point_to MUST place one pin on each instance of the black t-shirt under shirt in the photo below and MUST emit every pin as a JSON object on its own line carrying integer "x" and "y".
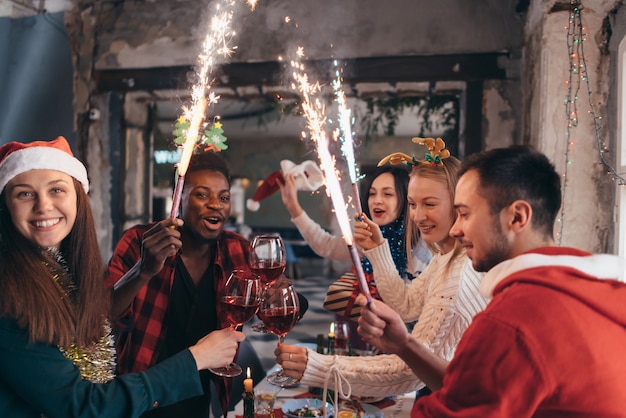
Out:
{"x": 190, "y": 316}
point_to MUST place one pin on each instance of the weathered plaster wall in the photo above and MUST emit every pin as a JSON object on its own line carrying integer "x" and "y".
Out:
{"x": 587, "y": 204}
{"x": 136, "y": 34}
{"x": 502, "y": 115}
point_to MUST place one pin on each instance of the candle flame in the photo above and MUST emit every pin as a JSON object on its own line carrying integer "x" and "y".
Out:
{"x": 248, "y": 375}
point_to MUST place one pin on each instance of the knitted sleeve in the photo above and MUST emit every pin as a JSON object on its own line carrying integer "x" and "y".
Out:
{"x": 452, "y": 301}
{"x": 324, "y": 244}
{"x": 406, "y": 299}
{"x": 378, "y": 376}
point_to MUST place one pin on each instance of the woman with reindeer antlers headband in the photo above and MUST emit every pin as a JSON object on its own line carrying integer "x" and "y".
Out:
{"x": 444, "y": 297}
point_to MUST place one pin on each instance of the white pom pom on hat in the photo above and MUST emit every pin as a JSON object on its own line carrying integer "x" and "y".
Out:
{"x": 17, "y": 158}
{"x": 307, "y": 174}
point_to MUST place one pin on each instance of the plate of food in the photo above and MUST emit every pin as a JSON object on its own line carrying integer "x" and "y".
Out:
{"x": 306, "y": 408}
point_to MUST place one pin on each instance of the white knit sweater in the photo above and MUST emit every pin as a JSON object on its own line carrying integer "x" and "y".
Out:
{"x": 445, "y": 298}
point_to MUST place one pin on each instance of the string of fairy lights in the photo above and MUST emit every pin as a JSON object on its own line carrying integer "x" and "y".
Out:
{"x": 578, "y": 81}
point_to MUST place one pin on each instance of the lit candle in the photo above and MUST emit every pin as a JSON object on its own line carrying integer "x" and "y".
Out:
{"x": 331, "y": 339}
{"x": 247, "y": 383}
{"x": 248, "y": 396}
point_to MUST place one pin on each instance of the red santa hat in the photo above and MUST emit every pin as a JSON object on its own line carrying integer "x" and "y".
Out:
{"x": 17, "y": 158}
{"x": 308, "y": 176}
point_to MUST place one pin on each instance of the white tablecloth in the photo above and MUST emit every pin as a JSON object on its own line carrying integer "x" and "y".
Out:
{"x": 400, "y": 409}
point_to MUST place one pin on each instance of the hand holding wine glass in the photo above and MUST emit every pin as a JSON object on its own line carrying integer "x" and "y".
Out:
{"x": 279, "y": 312}
{"x": 239, "y": 302}
{"x": 268, "y": 257}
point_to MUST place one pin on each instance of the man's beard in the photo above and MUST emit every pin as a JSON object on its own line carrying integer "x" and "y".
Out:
{"x": 497, "y": 253}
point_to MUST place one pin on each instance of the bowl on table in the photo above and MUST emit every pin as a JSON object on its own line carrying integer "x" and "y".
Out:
{"x": 306, "y": 407}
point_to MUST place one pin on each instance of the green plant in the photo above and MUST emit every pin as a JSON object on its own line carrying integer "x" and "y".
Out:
{"x": 383, "y": 114}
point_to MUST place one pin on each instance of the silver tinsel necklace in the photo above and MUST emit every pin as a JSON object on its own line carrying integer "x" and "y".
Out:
{"x": 96, "y": 362}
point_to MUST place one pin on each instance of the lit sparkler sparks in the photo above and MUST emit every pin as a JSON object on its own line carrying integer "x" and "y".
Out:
{"x": 313, "y": 110}
{"x": 216, "y": 44}
{"x": 347, "y": 145}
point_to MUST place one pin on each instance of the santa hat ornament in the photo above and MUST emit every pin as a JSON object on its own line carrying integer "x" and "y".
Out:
{"x": 17, "y": 158}
{"x": 308, "y": 176}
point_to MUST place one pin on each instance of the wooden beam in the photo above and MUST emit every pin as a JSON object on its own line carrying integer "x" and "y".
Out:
{"x": 460, "y": 67}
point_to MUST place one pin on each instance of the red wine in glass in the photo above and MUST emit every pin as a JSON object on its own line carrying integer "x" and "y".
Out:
{"x": 269, "y": 271}
{"x": 341, "y": 345}
{"x": 279, "y": 312}
{"x": 238, "y": 309}
{"x": 239, "y": 301}
{"x": 279, "y": 321}
{"x": 342, "y": 336}
{"x": 268, "y": 257}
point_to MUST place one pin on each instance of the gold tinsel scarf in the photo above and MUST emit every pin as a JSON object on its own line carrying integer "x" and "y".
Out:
{"x": 97, "y": 361}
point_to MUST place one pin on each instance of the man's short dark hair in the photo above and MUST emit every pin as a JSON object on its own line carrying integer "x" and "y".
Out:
{"x": 518, "y": 172}
{"x": 209, "y": 160}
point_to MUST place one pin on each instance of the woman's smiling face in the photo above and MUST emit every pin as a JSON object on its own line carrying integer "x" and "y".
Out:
{"x": 431, "y": 209}
{"x": 383, "y": 200}
{"x": 43, "y": 205}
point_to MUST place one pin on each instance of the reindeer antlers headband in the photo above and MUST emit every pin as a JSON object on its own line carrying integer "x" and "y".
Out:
{"x": 434, "y": 156}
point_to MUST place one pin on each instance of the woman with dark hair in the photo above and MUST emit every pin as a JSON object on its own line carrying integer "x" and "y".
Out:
{"x": 383, "y": 200}
{"x": 56, "y": 352}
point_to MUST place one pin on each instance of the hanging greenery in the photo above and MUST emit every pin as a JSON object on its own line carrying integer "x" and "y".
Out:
{"x": 432, "y": 112}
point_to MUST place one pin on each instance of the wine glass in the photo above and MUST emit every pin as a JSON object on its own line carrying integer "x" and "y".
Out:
{"x": 341, "y": 331}
{"x": 279, "y": 312}
{"x": 239, "y": 301}
{"x": 268, "y": 257}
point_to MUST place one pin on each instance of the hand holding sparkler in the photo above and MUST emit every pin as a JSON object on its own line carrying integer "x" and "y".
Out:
{"x": 367, "y": 234}
{"x": 382, "y": 327}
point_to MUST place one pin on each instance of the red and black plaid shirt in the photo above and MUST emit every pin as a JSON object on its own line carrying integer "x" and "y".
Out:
{"x": 140, "y": 330}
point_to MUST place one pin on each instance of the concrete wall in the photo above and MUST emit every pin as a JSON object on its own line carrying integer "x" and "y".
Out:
{"x": 136, "y": 34}
{"x": 587, "y": 216}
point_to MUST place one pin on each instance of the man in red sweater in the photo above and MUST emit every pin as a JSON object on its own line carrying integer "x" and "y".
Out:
{"x": 551, "y": 341}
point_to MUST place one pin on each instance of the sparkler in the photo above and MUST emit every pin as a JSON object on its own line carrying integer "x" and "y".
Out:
{"x": 215, "y": 45}
{"x": 347, "y": 146}
{"x": 313, "y": 111}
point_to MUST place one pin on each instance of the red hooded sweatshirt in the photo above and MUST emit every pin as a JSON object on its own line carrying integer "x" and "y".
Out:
{"x": 551, "y": 343}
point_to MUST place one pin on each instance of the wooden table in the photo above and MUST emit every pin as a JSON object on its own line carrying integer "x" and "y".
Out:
{"x": 396, "y": 407}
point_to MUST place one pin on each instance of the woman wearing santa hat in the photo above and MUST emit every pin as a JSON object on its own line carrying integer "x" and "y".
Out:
{"x": 56, "y": 351}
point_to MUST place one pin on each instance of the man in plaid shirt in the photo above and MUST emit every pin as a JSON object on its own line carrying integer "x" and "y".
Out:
{"x": 166, "y": 277}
